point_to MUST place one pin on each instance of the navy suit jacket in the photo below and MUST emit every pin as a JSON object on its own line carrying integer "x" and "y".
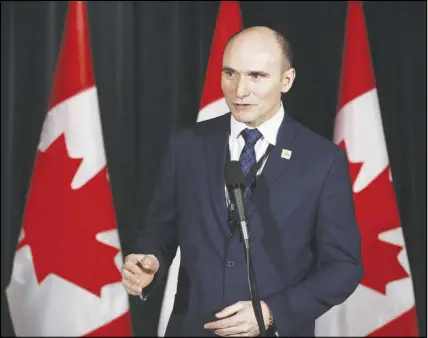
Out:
{"x": 304, "y": 236}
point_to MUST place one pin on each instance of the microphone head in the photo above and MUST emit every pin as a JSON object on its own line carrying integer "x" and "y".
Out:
{"x": 234, "y": 174}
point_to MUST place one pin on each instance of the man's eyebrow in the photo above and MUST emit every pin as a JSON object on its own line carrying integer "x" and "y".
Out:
{"x": 228, "y": 69}
{"x": 259, "y": 72}
{"x": 249, "y": 72}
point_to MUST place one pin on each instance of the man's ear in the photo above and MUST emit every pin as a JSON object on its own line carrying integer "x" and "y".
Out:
{"x": 287, "y": 79}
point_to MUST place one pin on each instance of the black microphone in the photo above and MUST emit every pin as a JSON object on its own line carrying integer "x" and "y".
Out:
{"x": 235, "y": 184}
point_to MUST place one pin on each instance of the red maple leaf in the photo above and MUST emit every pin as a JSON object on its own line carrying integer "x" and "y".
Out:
{"x": 376, "y": 212}
{"x": 61, "y": 223}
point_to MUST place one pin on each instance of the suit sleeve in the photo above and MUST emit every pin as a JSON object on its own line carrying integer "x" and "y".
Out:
{"x": 158, "y": 234}
{"x": 338, "y": 246}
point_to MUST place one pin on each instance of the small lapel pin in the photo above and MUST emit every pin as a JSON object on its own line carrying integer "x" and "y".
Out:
{"x": 286, "y": 154}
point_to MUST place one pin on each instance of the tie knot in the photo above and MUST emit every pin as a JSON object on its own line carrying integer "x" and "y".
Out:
{"x": 251, "y": 136}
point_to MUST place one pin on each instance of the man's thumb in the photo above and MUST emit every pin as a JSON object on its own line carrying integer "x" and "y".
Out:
{"x": 150, "y": 263}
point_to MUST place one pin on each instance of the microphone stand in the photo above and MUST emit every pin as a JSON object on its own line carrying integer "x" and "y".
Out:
{"x": 248, "y": 258}
{"x": 252, "y": 280}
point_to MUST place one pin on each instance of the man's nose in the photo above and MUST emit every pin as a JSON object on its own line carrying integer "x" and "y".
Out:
{"x": 241, "y": 88}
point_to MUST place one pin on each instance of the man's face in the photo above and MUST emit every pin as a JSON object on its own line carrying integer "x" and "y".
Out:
{"x": 253, "y": 78}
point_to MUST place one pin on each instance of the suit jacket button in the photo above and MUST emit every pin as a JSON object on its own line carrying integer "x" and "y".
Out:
{"x": 231, "y": 264}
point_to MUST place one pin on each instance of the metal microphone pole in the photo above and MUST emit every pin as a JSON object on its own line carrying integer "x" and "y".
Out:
{"x": 252, "y": 283}
{"x": 252, "y": 279}
{"x": 235, "y": 183}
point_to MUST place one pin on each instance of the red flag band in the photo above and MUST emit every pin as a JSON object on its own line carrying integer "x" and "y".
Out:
{"x": 66, "y": 275}
{"x": 384, "y": 303}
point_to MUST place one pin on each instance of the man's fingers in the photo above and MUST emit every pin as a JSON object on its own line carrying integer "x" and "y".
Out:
{"x": 136, "y": 282}
{"x": 130, "y": 277}
{"x": 230, "y": 310}
{"x": 241, "y": 334}
{"x": 230, "y": 331}
{"x": 134, "y": 258}
{"x": 132, "y": 268}
{"x": 223, "y": 323}
{"x": 139, "y": 264}
{"x": 226, "y": 317}
{"x": 131, "y": 288}
{"x": 138, "y": 272}
{"x": 149, "y": 263}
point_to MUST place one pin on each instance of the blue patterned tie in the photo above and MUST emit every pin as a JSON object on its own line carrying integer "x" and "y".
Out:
{"x": 248, "y": 156}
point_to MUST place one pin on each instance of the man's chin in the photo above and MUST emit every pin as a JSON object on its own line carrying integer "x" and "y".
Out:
{"x": 243, "y": 117}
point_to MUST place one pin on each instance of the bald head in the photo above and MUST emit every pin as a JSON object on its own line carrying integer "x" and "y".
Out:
{"x": 255, "y": 73}
{"x": 262, "y": 36}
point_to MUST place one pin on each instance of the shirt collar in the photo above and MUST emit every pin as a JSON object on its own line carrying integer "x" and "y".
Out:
{"x": 269, "y": 129}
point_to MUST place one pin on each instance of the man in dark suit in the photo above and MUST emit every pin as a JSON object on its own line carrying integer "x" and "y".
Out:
{"x": 304, "y": 236}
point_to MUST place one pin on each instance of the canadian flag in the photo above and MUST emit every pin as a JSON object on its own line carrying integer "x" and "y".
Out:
{"x": 66, "y": 277}
{"x": 383, "y": 304}
{"x": 212, "y": 105}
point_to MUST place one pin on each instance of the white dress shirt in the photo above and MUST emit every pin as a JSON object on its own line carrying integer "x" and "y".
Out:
{"x": 268, "y": 129}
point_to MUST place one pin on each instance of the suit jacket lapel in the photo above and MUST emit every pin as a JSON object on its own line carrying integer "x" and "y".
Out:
{"x": 275, "y": 164}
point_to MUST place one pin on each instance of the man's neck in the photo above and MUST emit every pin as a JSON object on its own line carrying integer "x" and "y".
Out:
{"x": 266, "y": 117}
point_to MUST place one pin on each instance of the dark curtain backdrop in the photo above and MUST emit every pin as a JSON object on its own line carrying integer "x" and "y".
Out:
{"x": 150, "y": 60}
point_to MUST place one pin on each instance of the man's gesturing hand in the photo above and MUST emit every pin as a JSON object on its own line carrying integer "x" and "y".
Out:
{"x": 238, "y": 320}
{"x": 138, "y": 272}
